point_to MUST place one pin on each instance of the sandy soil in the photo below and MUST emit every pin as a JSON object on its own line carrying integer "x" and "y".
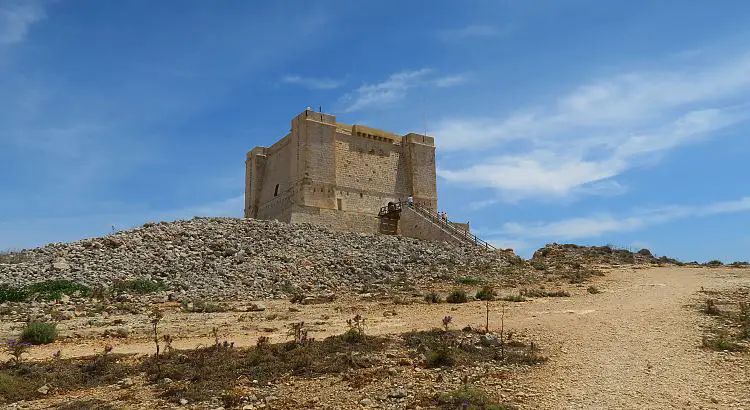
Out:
{"x": 636, "y": 345}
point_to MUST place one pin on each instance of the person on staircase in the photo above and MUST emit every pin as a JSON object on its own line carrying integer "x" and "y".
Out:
{"x": 410, "y": 200}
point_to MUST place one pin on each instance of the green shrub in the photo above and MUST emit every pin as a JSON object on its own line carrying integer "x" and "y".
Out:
{"x": 141, "y": 286}
{"x": 54, "y": 289}
{"x": 457, "y": 296}
{"x": 39, "y": 333}
{"x": 715, "y": 262}
{"x": 721, "y": 342}
{"x": 468, "y": 280}
{"x": 593, "y": 290}
{"x": 433, "y": 297}
{"x": 486, "y": 293}
{"x": 12, "y": 294}
{"x": 440, "y": 357}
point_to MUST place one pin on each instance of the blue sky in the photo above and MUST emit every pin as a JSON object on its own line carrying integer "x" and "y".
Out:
{"x": 585, "y": 121}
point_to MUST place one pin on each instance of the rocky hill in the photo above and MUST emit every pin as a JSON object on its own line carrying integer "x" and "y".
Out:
{"x": 570, "y": 255}
{"x": 225, "y": 257}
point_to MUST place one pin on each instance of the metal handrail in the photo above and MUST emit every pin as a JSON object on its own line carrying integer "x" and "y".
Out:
{"x": 398, "y": 206}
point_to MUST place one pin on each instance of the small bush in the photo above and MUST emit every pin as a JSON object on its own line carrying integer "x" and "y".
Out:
{"x": 54, "y": 289}
{"x": 14, "y": 388}
{"x": 433, "y": 297}
{"x": 540, "y": 293}
{"x": 715, "y": 263}
{"x": 12, "y": 294}
{"x": 39, "y": 333}
{"x": 440, "y": 357}
{"x": 457, "y": 296}
{"x": 141, "y": 286}
{"x": 593, "y": 290}
{"x": 486, "y": 293}
{"x": 721, "y": 342}
{"x": 711, "y": 308}
{"x": 513, "y": 298}
{"x": 469, "y": 280}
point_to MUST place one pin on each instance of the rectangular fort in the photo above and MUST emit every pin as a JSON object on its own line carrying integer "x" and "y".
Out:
{"x": 338, "y": 175}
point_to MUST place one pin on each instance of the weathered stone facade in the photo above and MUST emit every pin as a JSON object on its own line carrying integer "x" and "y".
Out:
{"x": 338, "y": 175}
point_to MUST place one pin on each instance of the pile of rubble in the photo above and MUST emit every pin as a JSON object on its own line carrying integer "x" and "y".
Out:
{"x": 226, "y": 257}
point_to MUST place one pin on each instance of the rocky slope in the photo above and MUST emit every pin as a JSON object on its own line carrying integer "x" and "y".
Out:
{"x": 225, "y": 257}
{"x": 570, "y": 255}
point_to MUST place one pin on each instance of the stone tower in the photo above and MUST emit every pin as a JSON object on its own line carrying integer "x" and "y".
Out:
{"x": 338, "y": 175}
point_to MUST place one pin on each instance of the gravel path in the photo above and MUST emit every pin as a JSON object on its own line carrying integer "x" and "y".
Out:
{"x": 636, "y": 346}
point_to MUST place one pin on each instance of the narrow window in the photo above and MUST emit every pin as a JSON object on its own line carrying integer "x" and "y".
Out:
{"x": 276, "y": 190}
{"x": 339, "y": 205}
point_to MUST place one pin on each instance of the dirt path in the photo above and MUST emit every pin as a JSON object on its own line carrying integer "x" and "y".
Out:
{"x": 635, "y": 346}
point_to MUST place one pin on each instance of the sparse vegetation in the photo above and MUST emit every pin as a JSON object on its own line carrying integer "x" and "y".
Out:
{"x": 513, "y": 298}
{"x": 715, "y": 263}
{"x": 356, "y": 331}
{"x": 16, "y": 349}
{"x": 457, "y": 296}
{"x": 202, "y": 306}
{"x": 469, "y": 280}
{"x": 433, "y": 297}
{"x": 45, "y": 290}
{"x": 722, "y": 342}
{"x": 469, "y": 398}
{"x": 541, "y": 293}
{"x": 711, "y": 308}
{"x": 486, "y": 293}
{"x": 12, "y": 294}
{"x": 39, "y": 333}
{"x": 593, "y": 290}
{"x": 733, "y": 329}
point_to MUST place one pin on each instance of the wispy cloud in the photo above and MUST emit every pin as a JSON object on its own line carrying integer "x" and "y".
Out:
{"x": 601, "y": 224}
{"x": 451, "y": 80}
{"x": 392, "y": 89}
{"x": 16, "y": 17}
{"x": 471, "y": 31}
{"x": 599, "y": 130}
{"x": 313, "y": 83}
{"x": 395, "y": 88}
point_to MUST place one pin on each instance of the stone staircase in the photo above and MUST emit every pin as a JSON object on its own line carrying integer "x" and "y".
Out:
{"x": 415, "y": 221}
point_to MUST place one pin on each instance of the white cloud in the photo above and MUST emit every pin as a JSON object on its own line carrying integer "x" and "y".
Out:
{"x": 601, "y": 224}
{"x": 597, "y": 131}
{"x": 16, "y": 17}
{"x": 450, "y": 81}
{"x": 313, "y": 83}
{"x": 388, "y": 91}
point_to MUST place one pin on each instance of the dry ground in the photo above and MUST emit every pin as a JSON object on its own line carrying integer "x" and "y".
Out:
{"x": 636, "y": 345}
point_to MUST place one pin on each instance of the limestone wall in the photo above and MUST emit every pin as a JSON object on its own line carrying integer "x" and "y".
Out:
{"x": 346, "y": 221}
{"x": 414, "y": 225}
